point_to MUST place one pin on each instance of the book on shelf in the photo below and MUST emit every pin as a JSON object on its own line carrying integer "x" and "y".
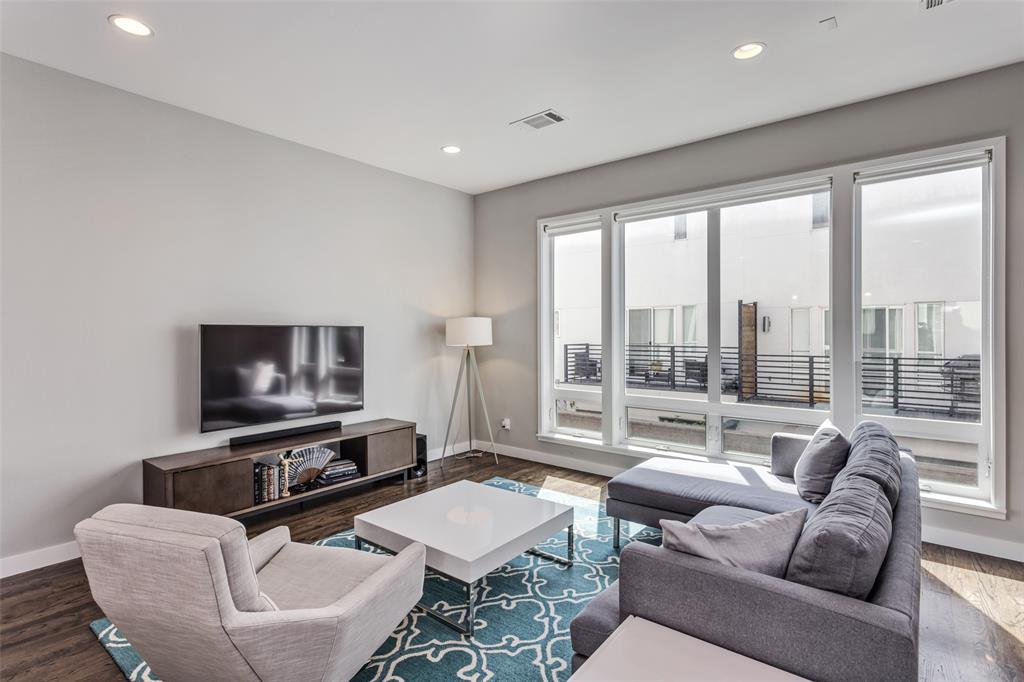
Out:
{"x": 268, "y": 482}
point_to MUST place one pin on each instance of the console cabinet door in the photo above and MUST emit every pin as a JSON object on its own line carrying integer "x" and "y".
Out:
{"x": 390, "y": 450}
{"x": 217, "y": 489}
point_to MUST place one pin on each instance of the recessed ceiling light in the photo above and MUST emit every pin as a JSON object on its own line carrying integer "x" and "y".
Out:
{"x": 451, "y": 149}
{"x": 129, "y": 25}
{"x": 748, "y": 50}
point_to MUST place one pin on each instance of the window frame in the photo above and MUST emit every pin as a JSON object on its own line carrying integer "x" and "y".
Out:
{"x": 843, "y": 309}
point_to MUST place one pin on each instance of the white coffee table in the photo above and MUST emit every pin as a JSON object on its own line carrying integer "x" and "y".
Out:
{"x": 642, "y": 651}
{"x": 469, "y": 530}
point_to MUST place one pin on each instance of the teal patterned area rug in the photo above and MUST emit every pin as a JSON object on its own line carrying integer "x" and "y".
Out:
{"x": 522, "y": 618}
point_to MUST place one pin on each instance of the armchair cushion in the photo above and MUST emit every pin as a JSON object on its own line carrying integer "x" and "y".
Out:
{"x": 308, "y": 577}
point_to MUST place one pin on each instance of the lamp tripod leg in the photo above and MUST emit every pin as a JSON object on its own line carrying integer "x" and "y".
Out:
{"x": 451, "y": 414}
{"x": 483, "y": 401}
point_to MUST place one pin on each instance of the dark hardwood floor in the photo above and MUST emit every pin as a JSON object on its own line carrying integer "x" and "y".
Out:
{"x": 972, "y": 609}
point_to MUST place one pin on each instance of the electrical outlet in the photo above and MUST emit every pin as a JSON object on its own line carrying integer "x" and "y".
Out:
{"x": 506, "y": 424}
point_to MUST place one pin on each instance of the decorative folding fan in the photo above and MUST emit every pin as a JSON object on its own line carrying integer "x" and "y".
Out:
{"x": 305, "y": 464}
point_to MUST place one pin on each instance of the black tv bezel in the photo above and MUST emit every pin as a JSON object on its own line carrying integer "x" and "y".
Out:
{"x": 362, "y": 373}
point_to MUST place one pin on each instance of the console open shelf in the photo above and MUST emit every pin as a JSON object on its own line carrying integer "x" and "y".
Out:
{"x": 220, "y": 480}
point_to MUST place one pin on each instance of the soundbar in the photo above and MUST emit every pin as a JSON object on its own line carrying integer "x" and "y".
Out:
{"x": 284, "y": 433}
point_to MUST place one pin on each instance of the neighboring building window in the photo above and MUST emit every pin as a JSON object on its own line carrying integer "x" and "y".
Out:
{"x": 882, "y": 331}
{"x": 690, "y": 324}
{"x": 664, "y": 326}
{"x": 680, "y": 227}
{"x": 821, "y": 210}
{"x": 929, "y": 329}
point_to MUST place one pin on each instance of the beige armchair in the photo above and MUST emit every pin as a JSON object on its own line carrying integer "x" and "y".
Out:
{"x": 200, "y": 602}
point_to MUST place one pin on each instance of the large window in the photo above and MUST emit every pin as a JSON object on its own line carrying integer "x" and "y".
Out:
{"x": 774, "y": 265}
{"x": 576, "y": 299}
{"x": 922, "y": 237}
{"x": 706, "y": 322}
{"x": 662, "y": 274}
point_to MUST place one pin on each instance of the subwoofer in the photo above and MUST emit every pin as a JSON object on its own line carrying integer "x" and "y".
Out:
{"x": 420, "y": 469}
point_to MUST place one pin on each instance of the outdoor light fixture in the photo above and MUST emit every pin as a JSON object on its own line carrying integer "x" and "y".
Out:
{"x": 451, "y": 149}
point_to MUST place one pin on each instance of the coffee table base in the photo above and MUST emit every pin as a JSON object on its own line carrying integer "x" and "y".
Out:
{"x": 466, "y": 627}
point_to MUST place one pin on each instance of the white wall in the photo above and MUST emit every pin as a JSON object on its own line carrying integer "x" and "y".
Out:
{"x": 127, "y": 222}
{"x": 976, "y": 107}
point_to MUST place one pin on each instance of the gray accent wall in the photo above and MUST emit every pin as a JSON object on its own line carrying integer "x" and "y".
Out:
{"x": 127, "y": 222}
{"x": 984, "y": 105}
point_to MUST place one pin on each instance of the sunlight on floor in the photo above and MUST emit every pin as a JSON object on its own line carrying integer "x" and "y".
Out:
{"x": 564, "y": 485}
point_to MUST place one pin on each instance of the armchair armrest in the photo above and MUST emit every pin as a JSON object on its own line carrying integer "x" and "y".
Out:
{"x": 334, "y": 641}
{"x": 812, "y": 633}
{"x": 786, "y": 450}
{"x": 264, "y": 546}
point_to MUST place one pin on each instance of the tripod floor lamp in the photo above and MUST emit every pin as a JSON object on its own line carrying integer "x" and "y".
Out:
{"x": 468, "y": 332}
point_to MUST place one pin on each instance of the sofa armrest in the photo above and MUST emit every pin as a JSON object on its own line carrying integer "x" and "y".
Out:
{"x": 786, "y": 450}
{"x": 812, "y": 633}
{"x": 264, "y": 546}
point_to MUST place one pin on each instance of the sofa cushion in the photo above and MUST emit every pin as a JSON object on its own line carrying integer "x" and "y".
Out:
{"x": 823, "y": 458}
{"x": 722, "y": 515}
{"x": 761, "y": 544}
{"x": 686, "y": 487}
{"x": 595, "y": 622}
{"x": 875, "y": 455}
{"x": 845, "y": 543}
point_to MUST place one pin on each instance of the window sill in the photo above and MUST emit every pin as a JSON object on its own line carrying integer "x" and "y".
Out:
{"x": 930, "y": 500}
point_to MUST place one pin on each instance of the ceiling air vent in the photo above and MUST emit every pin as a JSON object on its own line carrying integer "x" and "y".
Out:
{"x": 544, "y": 119}
{"x": 932, "y": 4}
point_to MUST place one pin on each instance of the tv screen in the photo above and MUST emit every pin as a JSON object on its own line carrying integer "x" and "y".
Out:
{"x": 252, "y": 374}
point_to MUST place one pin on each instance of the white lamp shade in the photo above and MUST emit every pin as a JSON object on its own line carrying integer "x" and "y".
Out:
{"x": 468, "y": 331}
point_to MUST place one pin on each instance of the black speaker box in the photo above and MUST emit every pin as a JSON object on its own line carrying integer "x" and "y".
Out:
{"x": 420, "y": 469}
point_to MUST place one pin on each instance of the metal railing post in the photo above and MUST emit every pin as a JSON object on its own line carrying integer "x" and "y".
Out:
{"x": 896, "y": 384}
{"x": 810, "y": 380}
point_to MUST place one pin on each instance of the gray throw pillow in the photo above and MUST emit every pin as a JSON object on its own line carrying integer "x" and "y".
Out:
{"x": 823, "y": 458}
{"x": 763, "y": 544}
{"x": 845, "y": 542}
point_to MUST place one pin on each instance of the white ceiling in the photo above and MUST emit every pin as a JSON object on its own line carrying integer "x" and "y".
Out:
{"x": 389, "y": 83}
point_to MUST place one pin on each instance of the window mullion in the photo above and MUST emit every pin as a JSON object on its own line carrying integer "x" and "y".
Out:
{"x": 612, "y": 333}
{"x": 714, "y": 381}
{"x": 844, "y": 252}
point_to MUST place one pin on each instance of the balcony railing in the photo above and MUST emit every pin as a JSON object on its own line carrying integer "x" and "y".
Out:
{"x": 936, "y": 387}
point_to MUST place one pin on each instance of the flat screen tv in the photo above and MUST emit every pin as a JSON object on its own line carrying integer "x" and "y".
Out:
{"x": 259, "y": 374}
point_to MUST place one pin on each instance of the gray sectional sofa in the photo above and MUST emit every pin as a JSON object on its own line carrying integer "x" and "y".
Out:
{"x": 820, "y": 634}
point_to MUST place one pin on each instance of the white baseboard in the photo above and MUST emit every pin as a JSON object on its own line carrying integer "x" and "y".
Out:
{"x": 434, "y": 454}
{"x": 970, "y": 542}
{"x": 1005, "y": 549}
{"x": 38, "y": 558}
{"x": 559, "y": 460}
